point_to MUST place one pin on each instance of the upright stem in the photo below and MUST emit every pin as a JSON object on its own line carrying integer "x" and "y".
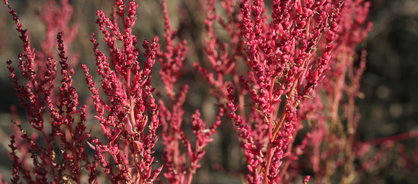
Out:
{"x": 189, "y": 177}
{"x": 49, "y": 150}
{"x": 270, "y": 150}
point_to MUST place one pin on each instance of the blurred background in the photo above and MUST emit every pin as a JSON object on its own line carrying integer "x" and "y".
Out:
{"x": 390, "y": 87}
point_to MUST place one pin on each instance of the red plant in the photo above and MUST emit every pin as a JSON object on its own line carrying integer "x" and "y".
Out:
{"x": 285, "y": 60}
{"x": 180, "y": 166}
{"x": 57, "y": 19}
{"x": 330, "y": 143}
{"x": 277, "y": 72}
{"x": 63, "y": 132}
{"x": 128, "y": 118}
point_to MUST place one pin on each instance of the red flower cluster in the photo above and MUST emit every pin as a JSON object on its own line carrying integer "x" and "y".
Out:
{"x": 63, "y": 129}
{"x": 285, "y": 59}
{"x": 180, "y": 166}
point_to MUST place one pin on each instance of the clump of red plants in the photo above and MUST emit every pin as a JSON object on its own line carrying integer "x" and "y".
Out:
{"x": 285, "y": 74}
